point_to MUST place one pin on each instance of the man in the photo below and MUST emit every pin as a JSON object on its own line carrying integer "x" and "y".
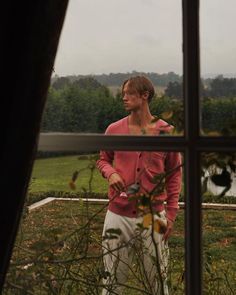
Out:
{"x": 136, "y": 174}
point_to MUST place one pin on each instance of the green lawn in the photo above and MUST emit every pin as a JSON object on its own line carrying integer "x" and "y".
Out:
{"x": 54, "y": 174}
{"x": 49, "y": 254}
{"x": 56, "y": 253}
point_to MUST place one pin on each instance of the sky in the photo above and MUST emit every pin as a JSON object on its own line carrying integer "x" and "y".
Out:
{"x": 111, "y": 36}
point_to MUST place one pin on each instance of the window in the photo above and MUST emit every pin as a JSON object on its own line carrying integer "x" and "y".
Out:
{"x": 191, "y": 145}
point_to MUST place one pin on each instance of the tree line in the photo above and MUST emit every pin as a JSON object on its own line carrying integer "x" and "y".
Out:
{"x": 85, "y": 105}
{"x": 218, "y": 87}
{"x": 80, "y": 106}
{"x": 116, "y": 79}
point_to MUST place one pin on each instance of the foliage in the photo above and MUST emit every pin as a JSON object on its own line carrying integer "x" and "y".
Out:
{"x": 208, "y": 197}
{"x": 64, "y": 263}
{"x": 218, "y": 87}
{"x": 55, "y": 251}
{"x": 49, "y": 254}
{"x": 61, "y": 83}
{"x": 63, "y": 255}
{"x": 116, "y": 79}
{"x": 221, "y": 87}
{"x": 174, "y": 90}
{"x": 53, "y": 112}
{"x": 218, "y": 252}
{"x": 170, "y": 110}
{"x": 81, "y": 106}
{"x": 219, "y": 116}
{"x": 85, "y": 105}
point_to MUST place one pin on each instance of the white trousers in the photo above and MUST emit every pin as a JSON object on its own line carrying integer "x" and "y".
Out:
{"x": 122, "y": 238}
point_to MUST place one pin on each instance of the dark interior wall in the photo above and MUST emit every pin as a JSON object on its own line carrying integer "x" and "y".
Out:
{"x": 29, "y": 32}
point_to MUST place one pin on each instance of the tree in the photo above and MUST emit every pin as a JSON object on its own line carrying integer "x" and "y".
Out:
{"x": 60, "y": 83}
{"x": 82, "y": 106}
{"x": 174, "y": 90}
{"x": 88, "y": 83}
{"x": 53, "y": 112}
{"x": 222, "y": 87}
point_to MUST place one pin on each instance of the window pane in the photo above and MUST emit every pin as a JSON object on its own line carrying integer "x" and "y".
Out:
{"x": 59, "y": 246}
{"x": 218, "y": 88}
{"x": 102, "y": 47}
{"x": 219, "y": 219}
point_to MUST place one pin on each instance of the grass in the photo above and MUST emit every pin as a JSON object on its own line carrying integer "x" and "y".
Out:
{"x": 56, "y": 232}
{"x": 219, "y": 244}
{"x": 51, "y": 176}
{"x": 52, "y": 235}
{"x": 54, "y": 174}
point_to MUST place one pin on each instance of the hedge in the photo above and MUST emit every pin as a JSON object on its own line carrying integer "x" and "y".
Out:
{"x": 35, "y": 197}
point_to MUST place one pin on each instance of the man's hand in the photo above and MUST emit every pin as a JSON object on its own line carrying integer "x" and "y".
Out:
{"x": 169, "y": 228}
{"x": 116, "y": 182}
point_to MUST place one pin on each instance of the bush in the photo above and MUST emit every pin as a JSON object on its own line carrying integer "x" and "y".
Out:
{"x": 219, "y": 115}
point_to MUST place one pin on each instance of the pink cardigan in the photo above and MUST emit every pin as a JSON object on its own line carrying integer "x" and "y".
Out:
{"x": 140, "y": 167}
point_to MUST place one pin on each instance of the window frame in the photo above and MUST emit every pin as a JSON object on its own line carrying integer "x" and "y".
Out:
{"x": 191, "y": 144}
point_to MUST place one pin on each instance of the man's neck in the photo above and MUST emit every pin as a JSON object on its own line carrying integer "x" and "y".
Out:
{"x": 140, "y": 118}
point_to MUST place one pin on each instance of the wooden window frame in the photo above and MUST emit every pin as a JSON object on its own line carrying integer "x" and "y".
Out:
{"x": 191, "y": 144}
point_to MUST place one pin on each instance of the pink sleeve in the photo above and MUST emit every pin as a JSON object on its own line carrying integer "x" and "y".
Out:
{"x": 104, "y": 164}
{"x": 173, "y": 183}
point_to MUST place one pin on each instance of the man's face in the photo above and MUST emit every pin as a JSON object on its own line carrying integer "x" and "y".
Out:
{"x": 132, "y": 99}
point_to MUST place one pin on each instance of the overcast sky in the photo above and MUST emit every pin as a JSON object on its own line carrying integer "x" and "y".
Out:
{"x": 110, "y": 36}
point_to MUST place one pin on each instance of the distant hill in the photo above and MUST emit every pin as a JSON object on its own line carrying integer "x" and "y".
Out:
{"x": 213, "y": 76}
{"x": 116, "y": 79}
{"x": 159, "y": 90}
